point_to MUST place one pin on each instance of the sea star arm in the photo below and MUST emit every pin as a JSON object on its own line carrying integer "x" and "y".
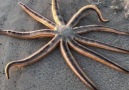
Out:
{"x": 98, "y": 44}
{"x": 97, "y": 28}
{"x": 37, "y": 16}
{"x": 82, "y": 12}
{"x": 43, "y": 51}
{"x": 56, "y": 13}
{"x": 30, "y": 34}
{"x": 72, "y": 63}
{"x": 95, "y": 56}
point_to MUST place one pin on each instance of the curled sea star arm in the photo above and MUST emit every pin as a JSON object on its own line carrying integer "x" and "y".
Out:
{"x": 98, "y": 44}
{"x": 97, "y": 28}
{"x": 56, "y": 13}
{"x": 82, "y": 12}
{"x": 37, "y": 16}
{"x": 72, "y": 63}
{"x": 29, "y": 34}
{"x": 43, "y": 51}
{"x": 95, "y": 56}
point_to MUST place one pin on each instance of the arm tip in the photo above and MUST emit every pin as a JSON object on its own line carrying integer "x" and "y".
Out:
{"x": 7, "y": 72}
{"x": 20, "y": 3}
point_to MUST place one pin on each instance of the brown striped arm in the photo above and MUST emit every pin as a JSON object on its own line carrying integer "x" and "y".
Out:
{"x": 94, "y": 43}
{"x": 95, "y": 56}
{"x": 56, "y": 13}
{"x": 37, "y": 16}
{"x": 72, "y": 63}
{"x": 83, "y": 12}
{"x": 97, "y": 28}
{"x": 30, "y": 34}
{"x": 43, "y": 51}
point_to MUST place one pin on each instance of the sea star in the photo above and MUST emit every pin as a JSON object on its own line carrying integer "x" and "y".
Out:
{"x": 66, "y": 35}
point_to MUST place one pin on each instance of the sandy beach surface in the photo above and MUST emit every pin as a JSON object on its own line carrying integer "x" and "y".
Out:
{"x": 52, "y": 72}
